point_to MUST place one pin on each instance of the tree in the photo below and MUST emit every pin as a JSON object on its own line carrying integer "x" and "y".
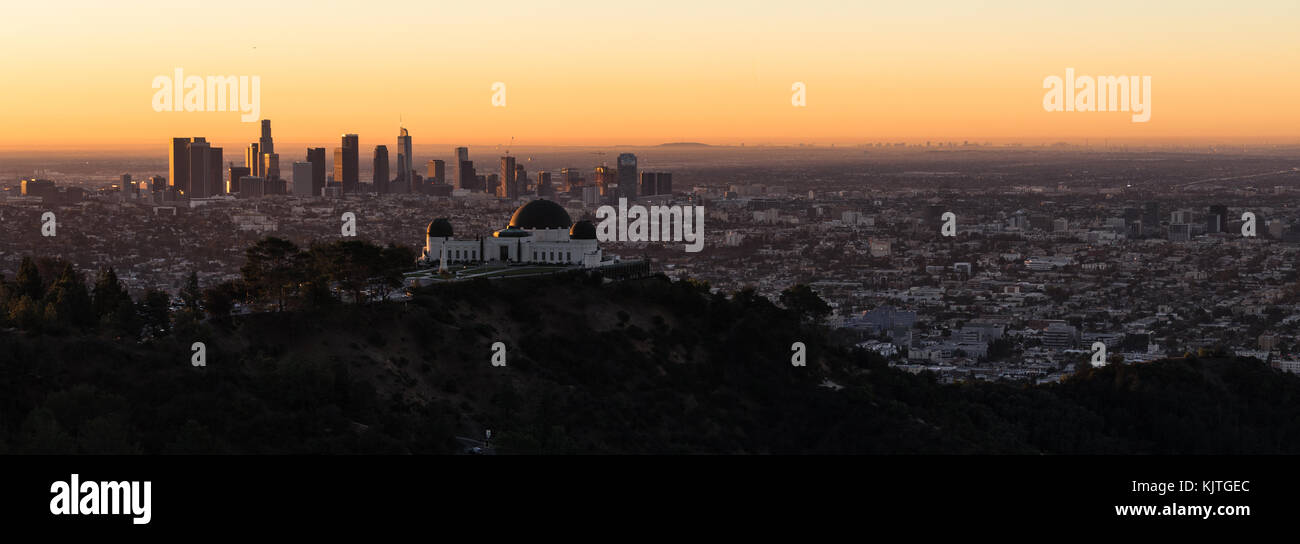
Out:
{"x": 219, "y": 300}
{"x": 393, "y": 262}
{"x": 107, "y": 293}
{"x": 113, "y": 305}
{"x": 274, "y": 267}
{"x": 191, "y": 295}
{"x": 24, "y": 313}
{"x": 155, "y": 312}
{"x": 28, "y": 282}
{"x": 71, "y": 301}
{"x": 803, "y": 300}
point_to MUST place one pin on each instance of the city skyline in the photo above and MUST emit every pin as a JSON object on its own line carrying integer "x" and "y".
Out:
{"x": 646, "y": 75}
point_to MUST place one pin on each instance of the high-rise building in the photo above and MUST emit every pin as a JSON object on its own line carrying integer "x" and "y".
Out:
{"x": 1150, "y": 216}
{"x": 345, "y": 163}
{"x": 508, "y": 187}
{"x": 605, "y": 179}
{"x": 270, "y": 167}
{"x": 544, "y": 184}
{"x": 316, "y": 156}
{"x": 462, "y": 156}
{"x": 1218, "y": 219}
{"x": 571, "y": 178}
{"x": 405, "y": 160}
{"x": 303, "y": 178}
{"x": 664, "y": 182}
{"x": 649, "y": 183}
{"x": 178, "y": 164}
{"x": 43, "y": 188}
{"x": 265, "y": 144}
{"x": 252, "y": 187}
{"x": 381, "y": 168}
{"x": 1180, "y": 232}
{"x": 198, "y": 153}
{"x": 437, "y": 172}
{"x": 236, "y": 172}
{"x": 627, "y": 175}
{"x": 253, "y": 159}
{"x": 215, "y": 183}
{"x": 468, "y": 178}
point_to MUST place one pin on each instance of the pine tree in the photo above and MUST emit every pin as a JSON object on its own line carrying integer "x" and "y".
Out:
{"x": 71, "y": 302}
{"x": 28, "y": 283}
{"x": 191, "y": 295}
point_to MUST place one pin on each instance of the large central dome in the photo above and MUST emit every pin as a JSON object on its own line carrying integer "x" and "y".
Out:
{"x": 541, "y": 214}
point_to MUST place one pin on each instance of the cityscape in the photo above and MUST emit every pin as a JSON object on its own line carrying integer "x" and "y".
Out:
{"x": 1054, "y": 248}
{"x": 1012, "y": 267}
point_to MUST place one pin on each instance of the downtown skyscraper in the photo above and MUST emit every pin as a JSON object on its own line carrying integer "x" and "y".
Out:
{"x": 316, "y": 156}
{"x": 345, "y": 163}
{"x": 405, "y": 161}
{"x": 380, "y": 170}
{"x": 509, "y": 185}
{"x": 627, "y": 178}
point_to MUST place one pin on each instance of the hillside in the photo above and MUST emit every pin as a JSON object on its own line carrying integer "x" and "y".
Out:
{"x": 646, "y": 366}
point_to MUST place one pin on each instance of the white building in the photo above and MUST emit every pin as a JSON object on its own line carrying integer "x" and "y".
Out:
{"x": 540, "y": 232}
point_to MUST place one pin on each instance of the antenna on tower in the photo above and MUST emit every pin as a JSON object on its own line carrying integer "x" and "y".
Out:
{"x": 509, "y": 145}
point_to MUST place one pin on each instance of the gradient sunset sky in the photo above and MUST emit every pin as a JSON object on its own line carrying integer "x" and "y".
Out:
{"x": 78, "y": 74}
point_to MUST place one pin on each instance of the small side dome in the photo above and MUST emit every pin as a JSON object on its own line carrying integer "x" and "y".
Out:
{"x": 440, "y": 228}
{"x": 582, "y": 230}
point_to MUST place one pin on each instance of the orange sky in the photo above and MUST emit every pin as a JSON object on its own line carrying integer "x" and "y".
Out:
{"x": 78, "y": 74}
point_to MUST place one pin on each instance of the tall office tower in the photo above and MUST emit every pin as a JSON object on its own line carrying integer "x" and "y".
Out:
{"x": 572, "y": 178}
{"x": 178, "y": 164}
{"x": 345, "y": 163}
{"x": 303, "y": 178}
{"x": 252, "y": 187}
{"x": 437, "y": 172}
{"x": 605, "y": 178}
{"x": 664, "y": 182}
{"x": 1219, "y": 216}
{"x": 253, "y": 159}
{"x": 492, "y": 184}
{"x": 157, "y": 184}
{"x": 381, "y": 169}
{"x": 316, "y": 156}
{"x": 462, "y": 156}
{"x": 400, "y": 180}
{"x": 1150, "y": 216}
{"x": 508, "y": 187}
{"x": 544, "y": 184}
{"x": 405, "y": 160}
{"x": 125, "y": 181}
{"x": 216, "y": 185}
{"x": 521, "y": 179}
{"x": 265, "y": 145}
{"x": 199, "y": 152}
{"x": 468, "y": 178}
{"x": 270, "y": 167}
{"x": 236, "y": 172}
{"x": 649, "y": 183}
{"x": 627, "y": 175}
{"x": 338, "y": 167}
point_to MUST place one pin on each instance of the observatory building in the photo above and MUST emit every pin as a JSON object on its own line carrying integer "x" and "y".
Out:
{"x": 540, "y": 232}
